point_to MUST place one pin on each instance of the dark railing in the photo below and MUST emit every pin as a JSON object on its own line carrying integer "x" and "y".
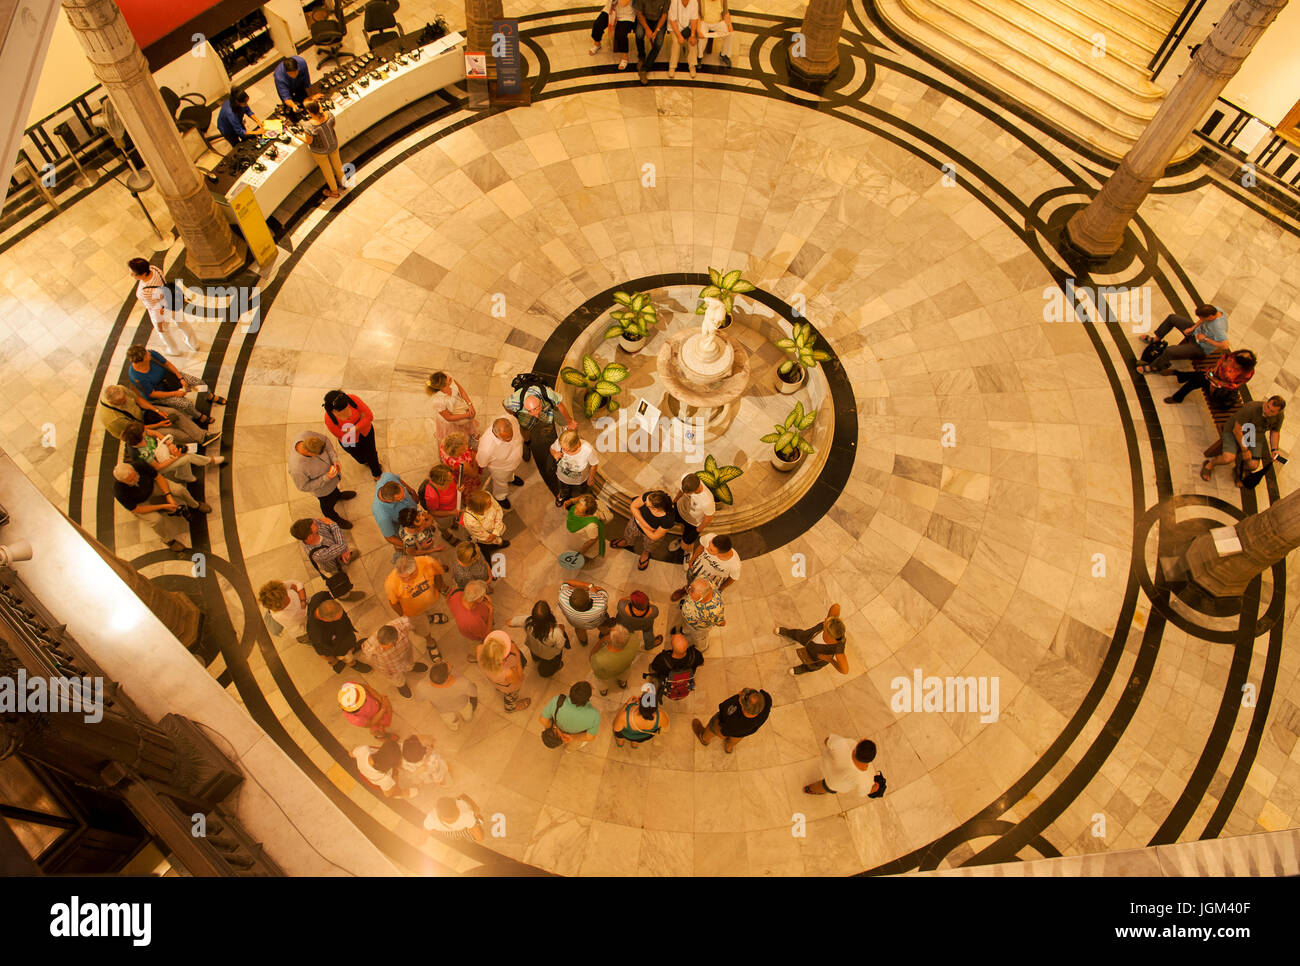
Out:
{"x": 1175, "y": 36}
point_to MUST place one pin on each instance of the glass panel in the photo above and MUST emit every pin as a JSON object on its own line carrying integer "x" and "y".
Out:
{"x": 21, "y": 788}
{"x": 35, "y": 838}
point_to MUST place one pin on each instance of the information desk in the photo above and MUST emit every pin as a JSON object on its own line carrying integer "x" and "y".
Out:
{"x": 441, "y": 63}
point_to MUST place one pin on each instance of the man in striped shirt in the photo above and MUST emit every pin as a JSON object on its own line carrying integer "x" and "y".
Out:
{"x": 391, "y": 653}
{"x": 325, "y": 544}
{"x": 585, "y": 606}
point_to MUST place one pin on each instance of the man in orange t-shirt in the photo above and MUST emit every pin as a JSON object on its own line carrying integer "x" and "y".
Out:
{"x": 414, "y": 587}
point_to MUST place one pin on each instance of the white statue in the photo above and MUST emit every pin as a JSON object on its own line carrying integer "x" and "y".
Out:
{"x": 714, "y": 313}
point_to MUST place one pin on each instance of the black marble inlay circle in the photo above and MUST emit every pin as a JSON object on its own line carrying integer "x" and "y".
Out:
{"x": 825, "y": 490}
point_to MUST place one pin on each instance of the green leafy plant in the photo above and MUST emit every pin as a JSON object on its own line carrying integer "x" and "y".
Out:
{"x": 800, "y": 350}
{"x": 635, "y": 318}
{"x": 601, "y": 385}
{"x": 717, "y": 477}
{"x": 788, "y": 438}
{"x": 724, "y": 288}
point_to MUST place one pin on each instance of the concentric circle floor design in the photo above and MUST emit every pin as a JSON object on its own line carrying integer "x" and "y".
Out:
{"x": 984, "y": 528}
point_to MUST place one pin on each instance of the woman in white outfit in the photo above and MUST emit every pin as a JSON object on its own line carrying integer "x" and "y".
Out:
{"x": 453, "y": 411}
{"x": 151, "y": 290}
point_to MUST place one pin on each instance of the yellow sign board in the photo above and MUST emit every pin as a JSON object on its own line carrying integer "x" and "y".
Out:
{"x": 248, "y": 213}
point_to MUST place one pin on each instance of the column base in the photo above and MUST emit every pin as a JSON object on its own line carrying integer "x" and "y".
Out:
{"x": 809, "y": 77}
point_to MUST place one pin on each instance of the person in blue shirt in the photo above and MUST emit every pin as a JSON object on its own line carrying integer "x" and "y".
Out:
{"x": 231, "y": 118}
{"x": 1207, "y": 335}
{"x": 292, "y": 81}
{"x": 392, "y": 496}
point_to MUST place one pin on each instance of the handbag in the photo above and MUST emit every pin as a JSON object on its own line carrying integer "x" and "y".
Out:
{"x": 551, "y": 734}
{"x": 338, "y": 584}
{"x": 147, "y": 416}
{"x": 1153, "y": 351}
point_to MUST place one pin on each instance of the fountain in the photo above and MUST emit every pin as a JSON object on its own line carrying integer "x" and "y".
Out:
{"x": 703, "y": 372}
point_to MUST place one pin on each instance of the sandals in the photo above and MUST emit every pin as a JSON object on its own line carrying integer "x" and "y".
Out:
{"x": 620, "y": 543}
{"x": 643, "y": 562}
{"x": 439, "y": 618}
{"x": 659, "y": 640}
{"x": 559, "y": 501}
{"x": 1145, "y": 370}
{"x": 1149, "y": 338}
{"x": 217, "y": 400}
{"x": 1207, "y": 470}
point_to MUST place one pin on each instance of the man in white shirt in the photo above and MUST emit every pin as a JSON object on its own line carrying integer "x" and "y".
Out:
{"x": 715, "y": 561}
{"x": 715, "y": 22}
{"x": 684, "y": 22}
{"x": 695, "y": 508}
{"x": 575, "y": 465}
{"x": 500, "y": 451}
{"x": 151, "y": 290}
{"x": 846, "y": 767}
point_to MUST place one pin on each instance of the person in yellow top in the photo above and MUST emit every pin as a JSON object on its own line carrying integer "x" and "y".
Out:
{"x": 414, "y": 587}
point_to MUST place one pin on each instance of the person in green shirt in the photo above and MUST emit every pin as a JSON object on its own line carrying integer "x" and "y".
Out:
{"x": 576, "y": 719}
{"x": 612, "y": 656}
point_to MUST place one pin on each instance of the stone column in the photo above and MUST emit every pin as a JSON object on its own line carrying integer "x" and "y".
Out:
{"x": 821, "y": 35}
{"x": 479, "y": 15}
{"x": 118, "y": 62}
{"x": 1265, "y": 537}
{"x": 1097, "y": 231}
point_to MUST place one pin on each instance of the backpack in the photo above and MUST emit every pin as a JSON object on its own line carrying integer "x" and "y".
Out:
{"x": 677, "y": 684}
{"x": 1153, "y": 351}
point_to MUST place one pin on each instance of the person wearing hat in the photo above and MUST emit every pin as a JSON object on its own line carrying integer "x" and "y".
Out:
{"x": 366, "y": 708}
{"x": 637, "y": 614}
{"x": 820, "y": 644}
{"x": 501, "y": 660}
{"x": 352, "y": 423}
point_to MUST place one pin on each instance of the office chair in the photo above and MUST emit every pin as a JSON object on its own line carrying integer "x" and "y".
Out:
{"x": 379, "y": 23}
{"x": 327, "y": 37}
{"x": 196, "y": 117}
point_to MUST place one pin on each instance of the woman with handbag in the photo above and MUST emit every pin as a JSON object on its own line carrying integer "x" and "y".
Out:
{"x": 366, "y": 708}
{"x": 545, "y": 638}
{"x": 439, "y": 495}
{"x": 503, "y": 663}
{"x": 639, "y": 720}
{"x": 160, "y": 382}
{"x": 484, "y": 521}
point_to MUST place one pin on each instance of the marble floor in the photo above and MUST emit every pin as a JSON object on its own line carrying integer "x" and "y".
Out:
{"x": 997, "y": 519}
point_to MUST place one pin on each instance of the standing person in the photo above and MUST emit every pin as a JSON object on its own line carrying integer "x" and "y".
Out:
{"x": 469, "y": 564}
{"x": 414, "y": 588}
{"x": 315, "y": 469}
{"x": 459, "y": 457}
{"x": 545, "y": 639}
{"x": 292, "y": 79}
{"x": 323, "y": 142}
{"x": 649, "y": 527}
{"x": 637, "y": 614}
{"x": 438, "y": 495}
{"x": 332, "y": 636}
{"x": 453, "y": 412}
{"x": 846, "y": 767}
{"x": 485, "y": 522}
{"x": 684, "y": 22}
{"x": 701, "y": 609}
{"x": 651, "y": 16}
{"x": 611, "y": 658}
{"x": 695, "y": 508}
{"x": 392, "y": 654}
{"x": 163, "y": 384}
{"x": 164, "y": 454}
{"x": 536, "y": 408}
{"x": 715, "y": 560}
{"x": 120, "y": 406}
{"x": 585, "y": 606}
{"x": 737, "y": 718}
{"x": 500, "y": 452}
{"x": 458, "y": 817}
{"x": 501, "y": 660}
{"x": 421, "y": 763}
{"x": 286, "y": 605}
{"x": 392, "y": 496}
{"x": 455, "y": 699}
{"x": 473, "y": 613}
{"x": 419, "y": 532}
{"x": 585, "y": 526}
{"x": 141, "y": 490}
{"x": 366, "y": 708}
{"x": 1228, "y": 376}
{"x": 1245, "y": 434}
{"x": 151, "y": 290}
{"x": 231, "y": 118}
{"x": 575, "y": 465}
{"x": 819, "y": 645}
{"x": 379, "y": 767}
{"x": 572, "y": 715}
{"x": 351, "y": 422}
{"x": 1208, "y": 334}
{"x": 638, "y": 721}
{"x": 673, "y": 669}
{"x": 325, "y": 545}
{"x": 715, "y": 22}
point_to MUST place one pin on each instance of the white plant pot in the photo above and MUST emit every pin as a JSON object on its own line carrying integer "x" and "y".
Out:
{"x": 789, "y": 388}
{"x": 632, "y": 345}
{"x": 784, "y": 466}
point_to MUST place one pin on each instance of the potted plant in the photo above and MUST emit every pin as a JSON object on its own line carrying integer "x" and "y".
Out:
{"x": 599, "y": 386}
{"x": 788, "y": 445}
{"x": 717, "y": 477}
{"x": 724, "y": 288}
{"x": 633, "y": 321}
{"x": 792, "y": 373}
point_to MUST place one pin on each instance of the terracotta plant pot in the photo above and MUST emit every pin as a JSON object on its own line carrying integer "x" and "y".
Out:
{"x": 788, "y": 388}
{"x": 786, "y": 466}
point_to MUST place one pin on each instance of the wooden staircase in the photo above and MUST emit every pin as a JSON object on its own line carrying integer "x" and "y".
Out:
{"x": 1047, "y": 55}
